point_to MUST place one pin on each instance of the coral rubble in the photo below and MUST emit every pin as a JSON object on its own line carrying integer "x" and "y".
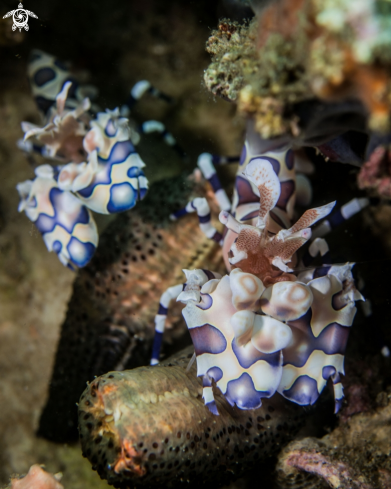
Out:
{"x": 354, "y": 456}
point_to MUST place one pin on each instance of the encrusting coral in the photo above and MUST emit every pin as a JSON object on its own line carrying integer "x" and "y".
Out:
{"x": 337, "y": 52}
{"x": 354, "y": 456}
{"x": 375, "y": 174}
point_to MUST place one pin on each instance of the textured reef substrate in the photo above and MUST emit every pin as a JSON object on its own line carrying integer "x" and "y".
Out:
{"x": 295, "y": 53}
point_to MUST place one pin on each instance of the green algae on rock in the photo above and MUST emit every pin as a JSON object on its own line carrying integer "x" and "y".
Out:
{"x": 149, "y": 426}
{"x": 302, "y": 50}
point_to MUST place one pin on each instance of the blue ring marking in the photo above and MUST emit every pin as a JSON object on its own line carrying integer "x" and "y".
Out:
{"x": 248, "y": 355}
{"x": 245, "y": 191}
{"x": 44, "y": 76}
{"x": 134, "y": 172}
{"x": 290, "y": 159}
{"x": 287, "y": 190}
{"x": 338, "y": 405}
{"x": 334, "y": 299}
{"x": 321, "y": 271}
{"x": 330, "y": 371}
{"x": 204, "y": 219}
{"x": 208, "y": 273}
{"x": 33, "y": 203}
{"x": 212, "y": 407}
{"x": 215, "y": 373}
{"x": 157, "y": 343}
{"x": 142, "y": 193}
{"x": 207, "y": 339}
{"x": 87, "y": 248}
{"x": 162, "y": 310}
{"x": 38, "y": 149}
{"x": 215, "y": 182}
{"x": 180, "y": 213}
{"x": 57, "y": 246}
{"x": 118, "y": 201}
{"x": 275, "y": 163}
{"x": 206, "y": 302}
{"x": 47, "y": 223}
{"x": 243, "y": 155}
{"x": 304, "y": 391}
{"x": 110, "y": 129}
{"x": 250, "y": 398}
{"x": 119, "y": 152}
{"x": 250, "y": 215}
{"x": 331, "y": 341}
{"x": 336, "y": 219}
{"x": 103, "y": 178}
{"x": 56, "y": 199}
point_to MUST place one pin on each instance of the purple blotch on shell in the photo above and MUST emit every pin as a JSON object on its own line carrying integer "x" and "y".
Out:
{"x": 207, "y": 339}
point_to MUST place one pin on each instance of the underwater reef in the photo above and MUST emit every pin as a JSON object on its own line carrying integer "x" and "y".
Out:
{"x": 355, "y": 453}
{"x": 145, "y": 42}
{"x": 270, "y": 291}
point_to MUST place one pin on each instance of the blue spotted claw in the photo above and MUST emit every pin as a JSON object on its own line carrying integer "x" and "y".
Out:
{"x": 112, "y": 179}
{"x": 66, "y": 225}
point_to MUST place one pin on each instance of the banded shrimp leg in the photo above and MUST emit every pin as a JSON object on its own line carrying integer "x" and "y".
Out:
{"x": 335, "y": 219}
{"x": 137, "y": 92}
{"x": 318, "y": 245}
{"x": 195, "y": 279}
{"x": 206, "y": 163}
{"x": 190, "y": 290}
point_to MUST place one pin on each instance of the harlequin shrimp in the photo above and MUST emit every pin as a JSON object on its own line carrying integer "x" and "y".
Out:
{"x": 102, "y": 170}
{"x": 66, "y": 225}
{"x": 148, "y": 427}
{"x": 265, "y": 327}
